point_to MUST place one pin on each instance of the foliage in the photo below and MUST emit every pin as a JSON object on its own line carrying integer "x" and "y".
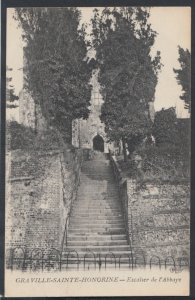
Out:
{"x": 123, "y": 38}
{"x": 169, "y": 159}
{"x": 165, "y": 163}
{"x": 168, "y": 129}
{"x": 22, "y": 137}
{"x": 165, "y": 126}
{"x": 19, "y": 136}
{"x": 10, "y": 91}
{"x": 57, "y": 69}
{"x": 183, "y": 76}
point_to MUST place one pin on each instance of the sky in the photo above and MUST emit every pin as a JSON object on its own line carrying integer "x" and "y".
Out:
{"x": 173, "y": 25}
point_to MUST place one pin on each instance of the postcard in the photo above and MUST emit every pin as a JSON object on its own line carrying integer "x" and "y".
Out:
{"x": 97, "y": 151}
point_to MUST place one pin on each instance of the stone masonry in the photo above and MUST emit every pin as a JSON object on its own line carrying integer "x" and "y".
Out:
{"x": 159, "y": 219}
{"x": 39, "y": 189}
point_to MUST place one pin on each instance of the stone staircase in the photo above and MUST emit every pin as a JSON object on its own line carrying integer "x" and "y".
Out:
{"x": 96, "y": 230}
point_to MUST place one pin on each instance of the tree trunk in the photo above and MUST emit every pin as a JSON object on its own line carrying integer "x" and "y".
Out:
{"x": 124, "y": 149}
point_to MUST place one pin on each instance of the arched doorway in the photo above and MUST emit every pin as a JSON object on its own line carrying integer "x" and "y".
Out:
{"x": 98, "y": 143}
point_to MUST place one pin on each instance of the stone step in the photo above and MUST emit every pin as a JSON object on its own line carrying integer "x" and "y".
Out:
{"x": 96, "y": 221}
{"x": 90, "y": 219}
{"x": 98, "y": 213}
{"x": 95, "y": 226}
{"x": 98, "y": 209}
{"x": 95, "y": 197}
{"x": 90, "y": 258}
{"x": 96, "y": 165}
{"x": 90, "y": 254}
{"x": 98, "y": 204}
{"x": 105, "y": 216}
{"x": 89, "y": 243}
{"x": 113, "y": 249}
{"x": 97, "y": 170}
{"x": 92, "y": 177}
{"x": 112, "y": 210}
{"x": 96, "y": 181}
{"x": 102, "y": 176}
{"x": 101, "y": 231}
{"x": 100, "y": 223}
{"x": 95, "y": 202}
{"x": 73, "y": 237}
{"x": 95, "y": 213}
{"x": 89, "y": 182}
{"x": 75, "y": 216}
{"x": 84, "y": 191}
{"x": 97, "y": 188}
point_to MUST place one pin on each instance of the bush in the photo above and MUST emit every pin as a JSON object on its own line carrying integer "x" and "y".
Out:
{"x": 165, "y": 126}
{"x": 169, "y": 130}
{"x": 159, "y": 163}
{"x": 22, "y": 137}
{"x": 19, "y": 136}
{"x": 166, "y": 162}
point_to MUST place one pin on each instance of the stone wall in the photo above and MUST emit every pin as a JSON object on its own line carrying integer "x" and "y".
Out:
{"x": 158, "y": 218}
{"x": 39, "y": 190}
{"x": 30, "y": 114}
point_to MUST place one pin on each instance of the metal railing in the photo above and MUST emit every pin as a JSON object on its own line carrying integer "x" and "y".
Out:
{"x": 38, "y": 259}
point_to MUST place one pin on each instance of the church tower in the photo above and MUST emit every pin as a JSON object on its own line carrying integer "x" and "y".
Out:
{"x": 90, "y": 133}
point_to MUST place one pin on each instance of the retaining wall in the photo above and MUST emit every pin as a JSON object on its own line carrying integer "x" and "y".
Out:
{"x": 157, "y": 216}
{"x": 40, "y": 188}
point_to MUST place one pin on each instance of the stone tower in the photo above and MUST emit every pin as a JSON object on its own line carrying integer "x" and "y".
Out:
{"x": 29, "y": 112}
{"x": 90, "y": 133}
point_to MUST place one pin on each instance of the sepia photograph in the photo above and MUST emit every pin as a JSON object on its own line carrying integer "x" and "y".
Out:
{"x": 98, "y": 117}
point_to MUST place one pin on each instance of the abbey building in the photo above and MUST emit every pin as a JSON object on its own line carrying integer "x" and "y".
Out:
{"x": 90, "y": 133}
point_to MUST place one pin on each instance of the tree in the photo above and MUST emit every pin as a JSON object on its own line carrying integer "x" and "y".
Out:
{"x": 169, "y": 130}
{"x": 57, "y": 69}
{"x": 10, "y": 91}
{"x": 165, "y": 128}
{"x": 183, "y": 76}
{"x": 123, "y": 38}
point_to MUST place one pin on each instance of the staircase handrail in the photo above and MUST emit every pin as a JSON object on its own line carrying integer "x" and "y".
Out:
{"x": 65, "y": 234}
{"x": 122, "y": 187}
